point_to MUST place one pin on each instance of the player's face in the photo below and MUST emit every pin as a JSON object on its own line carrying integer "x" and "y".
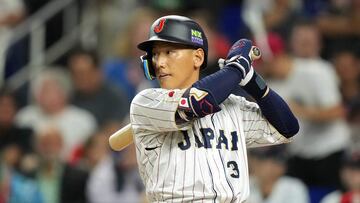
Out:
{"x": 176, "y": 66}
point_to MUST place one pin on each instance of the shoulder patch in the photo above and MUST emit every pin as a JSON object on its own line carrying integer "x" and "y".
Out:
{"x": 197, "y": 94}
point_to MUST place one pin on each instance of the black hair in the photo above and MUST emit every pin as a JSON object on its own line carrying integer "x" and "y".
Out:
{"x": 81, "y": 51}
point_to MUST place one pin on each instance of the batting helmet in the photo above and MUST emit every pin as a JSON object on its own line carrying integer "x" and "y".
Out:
{"x": 174, "y": 29}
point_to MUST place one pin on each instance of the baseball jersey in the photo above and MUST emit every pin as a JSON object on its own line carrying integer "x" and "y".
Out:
{"x": 204, "y": 160}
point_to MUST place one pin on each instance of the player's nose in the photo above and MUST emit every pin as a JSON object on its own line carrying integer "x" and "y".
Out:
{"x": 161, "y": 61}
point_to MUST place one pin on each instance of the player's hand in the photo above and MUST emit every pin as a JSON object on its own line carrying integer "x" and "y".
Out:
{"x": 240, "y": 57}
{"x": 240, "y": 48}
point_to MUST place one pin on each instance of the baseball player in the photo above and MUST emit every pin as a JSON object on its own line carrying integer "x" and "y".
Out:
{"x": 191, "y": 135}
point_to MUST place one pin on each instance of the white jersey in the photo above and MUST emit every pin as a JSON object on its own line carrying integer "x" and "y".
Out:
{"x": 202, "y": 161}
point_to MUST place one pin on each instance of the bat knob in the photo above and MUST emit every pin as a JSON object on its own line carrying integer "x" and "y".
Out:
{"x": 255, "y": 53}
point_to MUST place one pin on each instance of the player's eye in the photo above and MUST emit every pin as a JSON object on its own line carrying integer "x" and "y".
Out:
{"x": 171, "y": 52}
{"x": 154, "y": 56}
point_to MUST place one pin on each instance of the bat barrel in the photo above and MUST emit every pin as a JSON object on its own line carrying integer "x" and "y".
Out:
{"x": 121, "y": 138}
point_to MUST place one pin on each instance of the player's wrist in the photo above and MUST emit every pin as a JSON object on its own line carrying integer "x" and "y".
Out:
{"x": 256, "y": 86}
{"x": 247, "y": 77}
{"x": 235, "y": 70}
{"x": 241, "y": 65}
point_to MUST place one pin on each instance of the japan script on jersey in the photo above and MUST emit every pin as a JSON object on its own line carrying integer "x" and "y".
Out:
{"x": 207, "y": 136}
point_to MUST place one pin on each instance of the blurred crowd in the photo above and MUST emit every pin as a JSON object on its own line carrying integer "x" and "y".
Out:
{"x": 54, "y": 132}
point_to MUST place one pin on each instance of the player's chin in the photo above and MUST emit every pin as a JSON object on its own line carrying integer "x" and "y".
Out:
{"x": 166, "y": 84}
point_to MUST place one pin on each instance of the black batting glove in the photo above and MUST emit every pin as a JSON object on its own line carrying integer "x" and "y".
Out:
{"x": 240, "y": 57}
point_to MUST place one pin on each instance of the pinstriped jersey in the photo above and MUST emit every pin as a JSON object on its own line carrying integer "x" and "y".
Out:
{"x": 204, "y": 160}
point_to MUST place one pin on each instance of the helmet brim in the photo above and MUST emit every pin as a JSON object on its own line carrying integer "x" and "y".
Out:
{"x": 148, "y": 44}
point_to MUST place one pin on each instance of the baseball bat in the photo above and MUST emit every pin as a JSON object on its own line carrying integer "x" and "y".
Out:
{"x": 121, "y": 138}
{"x": 124, "y": 137}
{"x": 255, "y": 53}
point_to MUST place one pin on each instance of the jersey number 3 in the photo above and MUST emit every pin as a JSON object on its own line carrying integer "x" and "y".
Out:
{"x": 233, "y": 165}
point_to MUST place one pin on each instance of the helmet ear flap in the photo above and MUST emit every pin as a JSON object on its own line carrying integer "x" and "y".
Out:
{"x": 147, "y": 67}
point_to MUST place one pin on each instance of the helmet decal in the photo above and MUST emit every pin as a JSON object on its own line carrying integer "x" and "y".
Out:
{"x": 159, "y": 27}
{"x": 196, "y": 37}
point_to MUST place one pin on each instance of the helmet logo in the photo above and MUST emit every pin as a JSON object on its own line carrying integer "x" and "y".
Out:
{"x": 159, "y": 27}
{"x": 196, "y": 37}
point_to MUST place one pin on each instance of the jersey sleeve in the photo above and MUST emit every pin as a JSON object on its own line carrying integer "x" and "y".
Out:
{"x": 257, "y": 129}
{"x": 155, "y": 109}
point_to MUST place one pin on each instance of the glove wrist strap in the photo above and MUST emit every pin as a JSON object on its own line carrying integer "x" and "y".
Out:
{"x": 247, "y": 77}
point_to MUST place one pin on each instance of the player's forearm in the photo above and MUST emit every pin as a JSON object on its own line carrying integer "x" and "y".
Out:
{"x": 273, "y": 107}
{"x": 278, "y": 113}
{"x": 214, "y": 89}
{"x": 220, "y": 84}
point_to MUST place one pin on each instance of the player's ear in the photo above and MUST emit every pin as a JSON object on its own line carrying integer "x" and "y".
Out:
{"x": 198, "y": 57}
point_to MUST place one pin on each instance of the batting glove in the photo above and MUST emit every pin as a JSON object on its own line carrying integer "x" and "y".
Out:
{"x": 239, "y": 57}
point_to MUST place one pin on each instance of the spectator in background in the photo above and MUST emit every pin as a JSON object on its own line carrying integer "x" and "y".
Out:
{"x": 16, "y": 144}
{"x": 309, "y": 84}
{"x": 340, "y": 26}
{"x": 58, "y": 181}
{"x": 10, "y": 133}
{"x": 11, "y": 13}
{"x": 267, "y": 16}
{"x": 354, "y": 121}
{"x": 124, "y": 70}
{"x": 15, "y": 187}
{"x": 268, "y": 182}
{"x": 280, "y": 15}
{"x": 112, "y": 178}
{"x": 350, "y": 176}
{"x": 51, "y": 90}
{"x": 105, "y": 102}
{"x": 348, "y": 69}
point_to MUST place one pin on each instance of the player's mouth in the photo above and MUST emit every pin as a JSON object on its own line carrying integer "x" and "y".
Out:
{"x": 164, "y": 76}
